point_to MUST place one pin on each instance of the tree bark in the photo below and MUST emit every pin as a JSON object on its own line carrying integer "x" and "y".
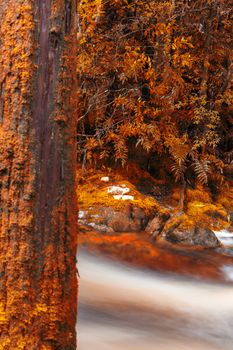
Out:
{"x": 38, "y": 285}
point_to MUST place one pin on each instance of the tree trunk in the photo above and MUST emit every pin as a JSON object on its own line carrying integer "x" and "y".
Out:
{"x": 38, "y": 286}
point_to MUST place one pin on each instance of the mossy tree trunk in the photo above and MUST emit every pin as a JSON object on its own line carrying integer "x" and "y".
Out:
{"x": 38, "y": 286}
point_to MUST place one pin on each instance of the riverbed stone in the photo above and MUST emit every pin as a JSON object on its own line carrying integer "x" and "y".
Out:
{"x": 205, "y": 237}
{"x": 109, "y": 219}
{"x": 193, "y": 235}
{"x": 156, "y": 225}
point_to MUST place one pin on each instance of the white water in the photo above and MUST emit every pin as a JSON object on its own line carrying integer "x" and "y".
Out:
{"x": 226, "y": 238}
{"x": 130, "y": 309}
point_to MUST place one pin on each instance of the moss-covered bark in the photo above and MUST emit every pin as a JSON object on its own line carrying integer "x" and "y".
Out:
{"x": 38, "y": 288}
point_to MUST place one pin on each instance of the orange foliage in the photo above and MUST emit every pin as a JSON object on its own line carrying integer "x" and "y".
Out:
{"x": 156, "y": 74}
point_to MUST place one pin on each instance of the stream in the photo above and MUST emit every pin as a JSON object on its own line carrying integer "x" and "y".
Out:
{"x": 126, "y": 307}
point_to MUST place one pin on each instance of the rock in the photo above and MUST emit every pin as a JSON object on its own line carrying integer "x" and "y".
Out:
{"x": 108, "y": 219}
{"x": 137, "y": 213}
{"x": 139, "y": 217}
{"x": 180, "y": 235}
{"x": 121, "y": 222}
{"x": 155, "y": 226}
{"x": 100, "y": 228}
{"x": 130, "y": 219}
{"x": 179, "y": 232}
{"x": 205, "y": 237}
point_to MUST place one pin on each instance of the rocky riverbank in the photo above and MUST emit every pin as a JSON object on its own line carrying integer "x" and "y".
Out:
{"x": 134, "y": 201}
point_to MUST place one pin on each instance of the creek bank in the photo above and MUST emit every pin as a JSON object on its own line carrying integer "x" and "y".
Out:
{"x": 111, "y": 202}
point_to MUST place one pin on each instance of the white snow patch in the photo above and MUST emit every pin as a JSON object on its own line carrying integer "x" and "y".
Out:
{"x": 123, "y": 197}
{"x": 127, "y": 197}
{"x": 117, "y": 196}
{"x": 105, "y": 179}
{"x": 118, "y": 190}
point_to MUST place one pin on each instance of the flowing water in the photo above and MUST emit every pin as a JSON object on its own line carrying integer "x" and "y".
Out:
{"x": 122, "y": 307}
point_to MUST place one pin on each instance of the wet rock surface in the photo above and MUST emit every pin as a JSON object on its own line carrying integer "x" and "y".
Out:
{"x": 156, "y": 225}
{"x": 183, "y": 230}
{"x": 193, "y": 236}
{"x": 109, "y": 219}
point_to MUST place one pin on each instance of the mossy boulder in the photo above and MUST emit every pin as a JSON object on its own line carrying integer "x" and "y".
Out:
{"x": 195, "y": 236}
{"x": 113, "y": 204}
{"x": 181, "y": 229}
{"x": 109, "y": 219}
{"x": 156, "y": 225}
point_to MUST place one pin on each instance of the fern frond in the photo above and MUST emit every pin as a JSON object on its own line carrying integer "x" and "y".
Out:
{"x": 180, "y": 152}
{"x": 121, "y": 150}
{"x": 178, "y": 169}
{"x": 229, "y": 157}
{"x": 201, "y": 168}
{"x": 216, "y": 162}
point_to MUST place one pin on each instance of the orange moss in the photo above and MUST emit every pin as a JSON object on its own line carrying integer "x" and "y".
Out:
{"x": 225, "y": 197}
{"x": 200, "y": 194}
{"x": 92, "y": 191}
{"x": 209, "y": 215}
{"x": 175, "y": 195}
